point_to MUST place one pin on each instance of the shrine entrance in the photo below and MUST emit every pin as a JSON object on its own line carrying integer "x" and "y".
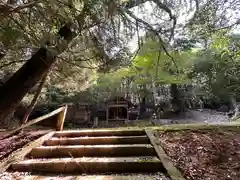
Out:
{"x": 117, "y": 109}
{"x": 117, "y": 113}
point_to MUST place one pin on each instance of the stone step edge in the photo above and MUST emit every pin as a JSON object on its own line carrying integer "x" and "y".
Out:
{"x": 97, "y": 140}
{"x": 79, "y": 165}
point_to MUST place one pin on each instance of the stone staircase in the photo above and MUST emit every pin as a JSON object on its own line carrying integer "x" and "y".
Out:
{"x": 93, "y": 152}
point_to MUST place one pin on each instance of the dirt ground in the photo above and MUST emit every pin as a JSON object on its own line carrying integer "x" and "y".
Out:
{"x": 208, "y": 155}
{"x": 13, "y": 143}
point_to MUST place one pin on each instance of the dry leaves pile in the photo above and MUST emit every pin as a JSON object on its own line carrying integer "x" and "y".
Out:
{"x": 208, "y": 155}
{"x": 13, "y": 143}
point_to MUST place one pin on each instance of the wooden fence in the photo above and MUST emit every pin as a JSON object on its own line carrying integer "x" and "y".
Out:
{"x": 59, "y": 114}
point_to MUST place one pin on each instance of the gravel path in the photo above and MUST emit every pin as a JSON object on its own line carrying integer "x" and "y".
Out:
{"x": 193, "y": 116}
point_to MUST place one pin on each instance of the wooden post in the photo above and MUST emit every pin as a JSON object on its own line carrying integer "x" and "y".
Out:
{"x": 61, "y": 119}
{"x": 95, "y": 123}
{"x": 127, "y": 118}
{"x": 107, "y": 115}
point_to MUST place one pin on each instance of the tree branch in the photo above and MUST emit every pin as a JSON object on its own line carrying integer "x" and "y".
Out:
{"x": 7, "y": 9}
{"x": 172, "y": 17}
{"x": 155, "y": 32}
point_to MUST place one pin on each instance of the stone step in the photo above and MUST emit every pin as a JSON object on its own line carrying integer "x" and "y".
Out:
{"x": 91, "y": 151}
{"x": 97, "y": 140}
{"x": 94, "y": 133}
{"x": 90, "y": 165}
{"x": 75, "y": 176}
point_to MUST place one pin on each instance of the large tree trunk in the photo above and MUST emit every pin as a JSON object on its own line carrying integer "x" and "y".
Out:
{"x": 143, "y": 106}
{"x": 174, "y": 91}
{"x": 175, "y": 101}
{"x": 143, "y": 101}
{"x": 34, "y": 100}
{"x": 13, "y": 90}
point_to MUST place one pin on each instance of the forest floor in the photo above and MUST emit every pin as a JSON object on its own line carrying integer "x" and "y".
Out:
{"x": 204, "y": 154}
{"x": 8, "y": 145}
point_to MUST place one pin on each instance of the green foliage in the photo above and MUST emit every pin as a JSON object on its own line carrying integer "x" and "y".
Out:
{"x": 218, "y": 68}
{"x": 55, "y": 95}
{"x": 153, "y": 64}
{"x": 9, "y": 35}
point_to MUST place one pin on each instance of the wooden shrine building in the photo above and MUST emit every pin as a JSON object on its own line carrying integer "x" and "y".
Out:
{"x": 117, "y": 109}
{"x": 78, "y": 113}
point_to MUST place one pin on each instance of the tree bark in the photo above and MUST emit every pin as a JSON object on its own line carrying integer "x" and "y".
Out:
{"x": 143, "y": 106}
{"x": 233, "y": 102}
{"x": 2, "y": 54}
{"x": 143, "y": 101}
{"x": 13, "y": 90}
{"x": 35, "y": 98}
{"x": 176, "y": 102}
